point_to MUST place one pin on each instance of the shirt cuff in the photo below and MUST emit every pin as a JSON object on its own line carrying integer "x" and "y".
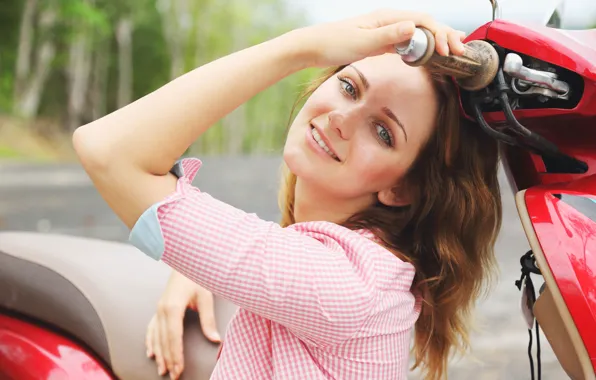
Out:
{"x": 147, "y": 234}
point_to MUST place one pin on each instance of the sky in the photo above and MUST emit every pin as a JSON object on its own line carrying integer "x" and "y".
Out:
{"x": 465, "y": 15}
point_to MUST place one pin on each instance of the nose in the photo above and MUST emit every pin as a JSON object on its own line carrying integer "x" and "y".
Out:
{"x": 339, "y": 122}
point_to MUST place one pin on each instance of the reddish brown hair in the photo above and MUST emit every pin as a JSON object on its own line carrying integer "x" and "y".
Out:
{"x": 448, "y": 232}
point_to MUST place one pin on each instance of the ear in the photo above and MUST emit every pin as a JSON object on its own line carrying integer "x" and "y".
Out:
{"x": 398, "y": 196}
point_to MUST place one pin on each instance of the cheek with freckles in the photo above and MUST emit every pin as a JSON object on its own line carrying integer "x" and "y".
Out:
{"x": 373, "y": 169}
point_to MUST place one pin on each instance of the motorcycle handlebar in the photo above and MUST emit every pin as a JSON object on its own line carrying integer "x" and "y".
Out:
{"x": 473, "y": 70}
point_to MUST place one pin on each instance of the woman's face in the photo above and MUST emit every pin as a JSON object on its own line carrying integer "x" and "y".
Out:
{"x": 362, "y": 129}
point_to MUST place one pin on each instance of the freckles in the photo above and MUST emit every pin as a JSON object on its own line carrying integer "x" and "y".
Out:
{"x": 368, "y": 164}
{"x": 374, "y": 168}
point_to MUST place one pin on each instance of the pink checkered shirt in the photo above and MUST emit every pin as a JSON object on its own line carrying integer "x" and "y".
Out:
{"x": 316, "y": 300}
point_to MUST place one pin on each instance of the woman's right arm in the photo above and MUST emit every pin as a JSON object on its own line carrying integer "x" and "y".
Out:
{"x": 164, "y": 334}
{"x": 315, "y": 282}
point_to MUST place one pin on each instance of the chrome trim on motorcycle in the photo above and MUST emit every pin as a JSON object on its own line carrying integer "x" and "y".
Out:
{"x": 514, "y": 67}
{"x": 496, "y": 9}
{"x": 525, "y": 88}
{"x": 520, "y": 135}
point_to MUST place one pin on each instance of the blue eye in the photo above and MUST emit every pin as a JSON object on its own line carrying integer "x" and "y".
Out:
{"x": 348, "y": 87}
{"x": 384, "y": 135}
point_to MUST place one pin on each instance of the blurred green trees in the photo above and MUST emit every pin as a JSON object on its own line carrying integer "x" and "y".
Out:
{"x": 73, "y": 61}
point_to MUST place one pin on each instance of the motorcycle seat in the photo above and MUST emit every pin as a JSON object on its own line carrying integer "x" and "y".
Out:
{"x": 102, "y": 293}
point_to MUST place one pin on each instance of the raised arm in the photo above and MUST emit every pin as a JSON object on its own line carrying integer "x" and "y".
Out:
{"x": 128, "y": 153}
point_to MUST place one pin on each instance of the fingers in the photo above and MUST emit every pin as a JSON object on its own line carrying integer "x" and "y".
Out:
{"x": 384, "y": 17}
{"x": 441, "y": 43}
{"x": 449, "y": 41}
{"x": 149, "y": 338}
{"x": 156, "y": 350}
{"x": 386, "y": 37}
{"x": 398, "y": 26}
{"x": 207, "y": 316}
{"x": 170, "y": 331}
{"x": 455, "y": 39}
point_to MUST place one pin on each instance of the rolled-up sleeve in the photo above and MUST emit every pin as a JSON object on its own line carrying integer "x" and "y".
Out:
{"x": 308, "y": 284}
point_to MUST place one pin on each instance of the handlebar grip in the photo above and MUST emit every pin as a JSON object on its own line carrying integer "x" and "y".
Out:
{"x": 473, "y": 70}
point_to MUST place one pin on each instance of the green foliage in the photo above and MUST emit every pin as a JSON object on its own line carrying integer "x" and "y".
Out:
{"x": 86, "y": 14}
{"x": 10, "y": 14}
{"x": 8, "y": 152}
{"x": 208, "y": 30}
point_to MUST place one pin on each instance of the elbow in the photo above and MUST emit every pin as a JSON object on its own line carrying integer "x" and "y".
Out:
{"x": 90, "y": 149}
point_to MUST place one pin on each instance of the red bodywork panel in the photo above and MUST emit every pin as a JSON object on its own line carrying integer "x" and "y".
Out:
{"x": 572, "y": 130}
{"x": 29, "y": 352}
{"x": 566, "y": 234}
{"x": 567, "y": 237}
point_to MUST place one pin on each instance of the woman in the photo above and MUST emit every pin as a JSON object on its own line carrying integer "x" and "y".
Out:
{"x": 390, "y": 207}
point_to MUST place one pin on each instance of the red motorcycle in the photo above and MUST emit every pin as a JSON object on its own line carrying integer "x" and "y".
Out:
{"x": 64, "y": 312}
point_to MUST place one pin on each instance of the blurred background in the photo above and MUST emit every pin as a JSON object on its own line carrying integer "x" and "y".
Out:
{"x": 64, "y": 63}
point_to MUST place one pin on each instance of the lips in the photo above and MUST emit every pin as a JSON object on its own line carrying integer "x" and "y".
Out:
{"x": 323, "y": 142}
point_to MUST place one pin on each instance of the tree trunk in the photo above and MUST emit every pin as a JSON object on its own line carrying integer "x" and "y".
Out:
{"x": 79, "y": 68}
{"x": 125, "y": 77}
{"x": 99, "y": 83}
{"x": 235, "y": 124}
{"x": 27, "y": 101}
{"x": 25, "y": 46}
{"x": 202, "y": 16}
{"x": 176, "y": 24}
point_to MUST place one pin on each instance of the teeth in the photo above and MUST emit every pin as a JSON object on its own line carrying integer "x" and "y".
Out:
{"x": 319, "y": 140}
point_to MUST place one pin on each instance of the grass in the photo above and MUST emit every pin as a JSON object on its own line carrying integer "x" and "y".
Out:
{"x": 7, "y": 152}
{"x": 38, "y": 141}
{"x": 31, "y": 142}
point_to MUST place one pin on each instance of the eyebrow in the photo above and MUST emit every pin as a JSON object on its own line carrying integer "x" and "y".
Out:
{"x": 386, "y": 110}
{"x": 392, "y": 116}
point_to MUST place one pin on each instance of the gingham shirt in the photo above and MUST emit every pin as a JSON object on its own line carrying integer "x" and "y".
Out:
{"x": 316, "y": 300}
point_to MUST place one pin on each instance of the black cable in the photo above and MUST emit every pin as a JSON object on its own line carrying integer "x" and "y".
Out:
{"x": 538, "y": 351}
{"x": 530, "y": 355}
{"x": 488, "y": 129}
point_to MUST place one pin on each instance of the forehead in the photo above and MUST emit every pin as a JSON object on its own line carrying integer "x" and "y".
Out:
{"x": 408, "y": 91}
{"x": 389, "y": 75}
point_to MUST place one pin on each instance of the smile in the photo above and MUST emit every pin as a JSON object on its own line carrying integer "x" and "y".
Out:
{"x": 319, "y": 140}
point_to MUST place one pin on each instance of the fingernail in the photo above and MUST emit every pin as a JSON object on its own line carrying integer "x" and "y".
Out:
{"x": 407, "y": 28}
{"x": 445, "y": 48}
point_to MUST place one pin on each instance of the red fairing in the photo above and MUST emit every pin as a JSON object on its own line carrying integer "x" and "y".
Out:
{"x": 566, "y": 230}
{"x": 28, "y": 352}
{"x": 573, "y": 50}
{"x": 572, "y": 130}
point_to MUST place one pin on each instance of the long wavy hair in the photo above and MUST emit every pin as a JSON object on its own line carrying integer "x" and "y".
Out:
{"x": 448, "y": 231}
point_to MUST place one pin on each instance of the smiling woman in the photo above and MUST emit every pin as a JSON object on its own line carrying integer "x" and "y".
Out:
{"x": 390, "y": 208}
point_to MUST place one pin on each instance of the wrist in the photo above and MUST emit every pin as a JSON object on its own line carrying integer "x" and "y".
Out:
{"x": 296, "y": 49}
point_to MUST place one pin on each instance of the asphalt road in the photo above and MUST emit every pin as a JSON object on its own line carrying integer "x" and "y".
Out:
{"x": 60, "y": 199}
